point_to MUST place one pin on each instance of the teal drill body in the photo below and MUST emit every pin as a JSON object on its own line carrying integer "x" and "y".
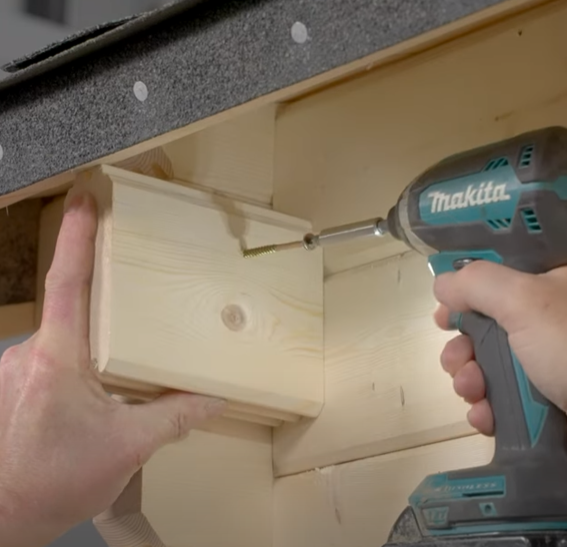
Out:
{"x": 506, "y": 203}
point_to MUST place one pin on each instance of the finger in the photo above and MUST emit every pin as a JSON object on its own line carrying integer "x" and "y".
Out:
{"x": 456, "y": 354}
{"x": 441, "y": 317}
{"x": 167, "y": 420}
{"x": 480, "y": 417}
{"x": 469, "y": 383}
{"x": 67, "y": 285}
{"x": 488, "y": 288}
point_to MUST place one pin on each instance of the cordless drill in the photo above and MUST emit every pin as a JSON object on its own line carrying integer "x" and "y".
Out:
{"x": 506, "y": 203}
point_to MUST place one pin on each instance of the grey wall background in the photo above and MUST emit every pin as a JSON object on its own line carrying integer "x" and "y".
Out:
{"x": 22, "y": 32}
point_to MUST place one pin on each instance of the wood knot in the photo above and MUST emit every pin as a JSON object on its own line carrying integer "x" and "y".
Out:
{"x": 234, "y": 318}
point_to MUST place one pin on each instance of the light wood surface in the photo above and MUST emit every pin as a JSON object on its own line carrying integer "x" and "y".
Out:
{"x": 175, "y": 305}
{"x": 213, "y": 489}
{"x": 235, "y": 158}
{"x": 356, "y": 504}
{"x": 347, "y": 153}
{"x": 384, "y": 387}
{"x": 405, "y": 49}
{"x": 153, "y": 163}
{"x": 17, "y": 320}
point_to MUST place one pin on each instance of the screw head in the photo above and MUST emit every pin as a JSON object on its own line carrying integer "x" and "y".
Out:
{"x": 299, "y": 32}
{"x": 141, "y": 91}
{"x": 1, "y": 153}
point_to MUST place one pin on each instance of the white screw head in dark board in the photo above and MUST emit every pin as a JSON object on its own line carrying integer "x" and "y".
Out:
{"x": 1, "y": 153}
{"x": 141, "y": 91}
{"x": 299, "y": 32}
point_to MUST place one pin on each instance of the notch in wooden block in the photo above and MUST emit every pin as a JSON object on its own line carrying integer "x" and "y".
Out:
{"x": 175, "y": 306}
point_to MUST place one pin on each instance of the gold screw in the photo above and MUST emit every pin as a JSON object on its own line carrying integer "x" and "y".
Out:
{"x": 259, "y": 251}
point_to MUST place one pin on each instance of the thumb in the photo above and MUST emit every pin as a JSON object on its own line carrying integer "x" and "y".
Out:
{"x": 168, "y": 419}
{"x": 488, "y": 288}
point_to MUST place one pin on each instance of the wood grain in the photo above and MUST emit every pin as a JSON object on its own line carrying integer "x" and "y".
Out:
{"x": 356, "y": 504}
{"x": 175, "y": 305}
{"x": 213, "y": 489}
{"x": 235, "y": 158}
{"x": 347, "y": 153}
{"x": 153, "y": 163}
{"x": 384, "y": 387}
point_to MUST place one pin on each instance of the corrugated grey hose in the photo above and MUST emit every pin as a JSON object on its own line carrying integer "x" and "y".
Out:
{"x": 124, "y": 524}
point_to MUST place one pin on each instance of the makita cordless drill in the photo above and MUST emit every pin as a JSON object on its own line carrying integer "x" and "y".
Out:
{"x": 507, "y": 203}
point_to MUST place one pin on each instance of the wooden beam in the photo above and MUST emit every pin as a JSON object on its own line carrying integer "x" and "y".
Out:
{"x": 384, "y": 387}
{"x": 213, "y": 489}
{"x": 17, "y": 320}
{"x": 19, "y": 227}
{"x": 357, "y": 503}
{"x": 408, "y": 48}
{"x": 347, "y": 153}
{"x": 234, "y": 158}
{"x": 176, "y": 306}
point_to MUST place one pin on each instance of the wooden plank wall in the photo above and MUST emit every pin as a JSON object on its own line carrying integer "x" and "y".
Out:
{"x": 355, "y": 504}
{"x": 345, "y": 155}
{"x": 234, "y": 158}
{"x": 213, "y": 489}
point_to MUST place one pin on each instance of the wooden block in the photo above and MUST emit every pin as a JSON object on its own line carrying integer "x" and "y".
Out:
{"x": 176, "y": 306}
{"x": 214, "y": 489}
{"x": 235, "y": 157}
{"x": 346, "y": 154}
{"x": 356, "y": 504}
{"x": 154, "y": 163}
{"x": 385, "y": 388}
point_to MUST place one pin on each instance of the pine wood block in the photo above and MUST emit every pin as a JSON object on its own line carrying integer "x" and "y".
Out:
{"x": 175, "y": 306}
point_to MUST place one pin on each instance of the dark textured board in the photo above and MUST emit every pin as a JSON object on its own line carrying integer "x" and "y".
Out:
{"x": 19, "y": 232}
{"x": 198, "y": 59}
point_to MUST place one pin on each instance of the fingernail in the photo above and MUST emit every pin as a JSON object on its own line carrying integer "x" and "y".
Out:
{"x": 215, "y": 407}
{"x": 73, "y": 202}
